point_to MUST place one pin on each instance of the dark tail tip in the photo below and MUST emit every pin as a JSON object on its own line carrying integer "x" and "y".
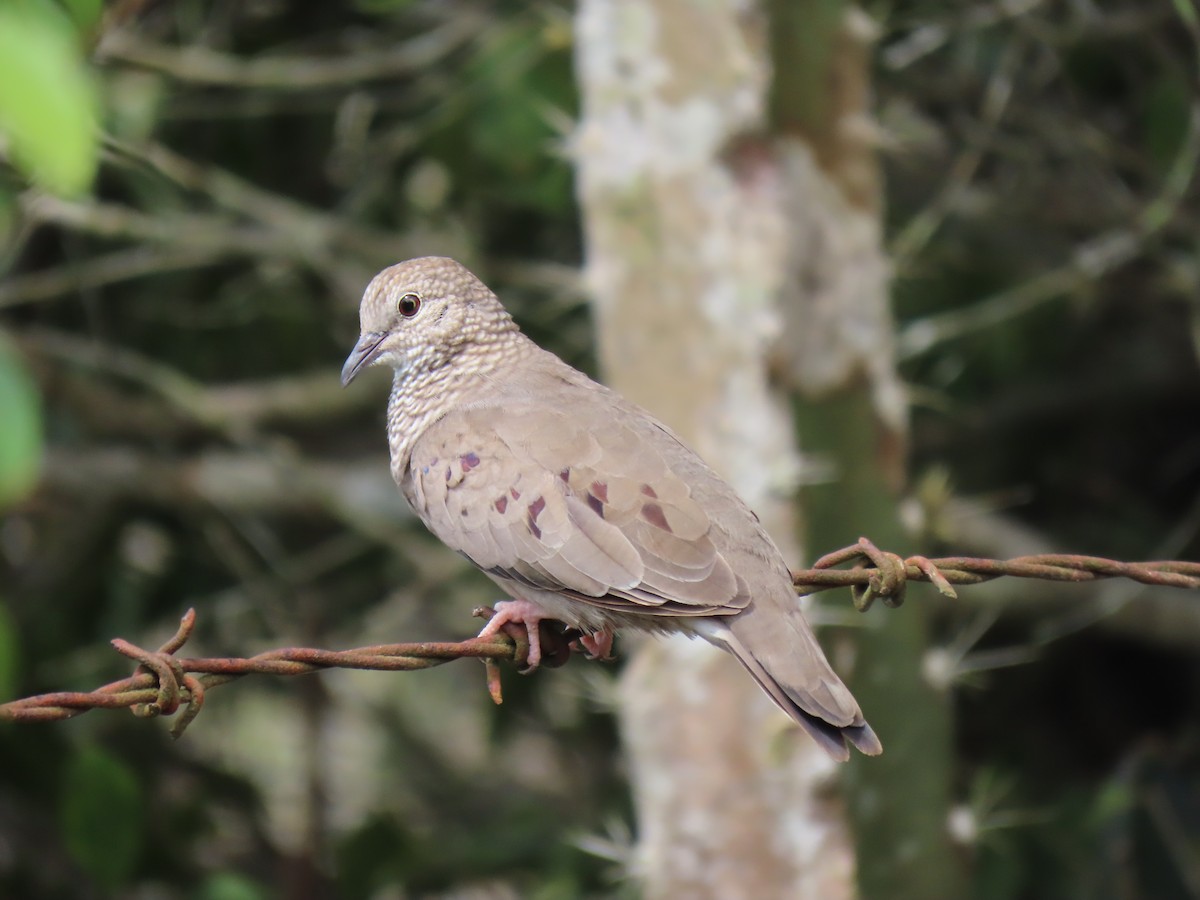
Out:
{"x": 797, "y": 701}
{"x": 831, "y": 738}
{"x": 864, "y": 739}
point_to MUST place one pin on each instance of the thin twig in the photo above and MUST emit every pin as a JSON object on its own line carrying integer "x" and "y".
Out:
{"x": 915, "y": 235}
{"x": 103, "y": 269}
{"x": 1090, "y": 260}
{"x": 305, "y": 228}
{"x": 201, "y": 65}
{"x": 235, "y": 410}
{"x": 218, "y": 235}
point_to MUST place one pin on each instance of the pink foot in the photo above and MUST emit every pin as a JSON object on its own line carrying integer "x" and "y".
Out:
{"x": 598, "y": 645}
{"x": 519, "y": 612}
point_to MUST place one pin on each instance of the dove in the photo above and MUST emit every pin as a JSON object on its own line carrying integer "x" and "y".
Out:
{"x": 579, "y": 504}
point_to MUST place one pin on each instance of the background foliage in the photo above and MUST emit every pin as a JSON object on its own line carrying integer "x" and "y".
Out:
{"x": 174, "y": 326}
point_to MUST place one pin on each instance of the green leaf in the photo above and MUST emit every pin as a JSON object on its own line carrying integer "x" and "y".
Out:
{"x": 47, "y": 101}
{"x": 100, "y": 814}
{"x": 84, "y": 13}
{"x": 230, "y": 886}
{"x": 1187, "y": 12}
{"x": 9, "y": 658}
{"x": 21, "y": 436}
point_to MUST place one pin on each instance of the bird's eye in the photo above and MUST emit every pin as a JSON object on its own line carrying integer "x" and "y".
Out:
{"x": 408, "y": 305}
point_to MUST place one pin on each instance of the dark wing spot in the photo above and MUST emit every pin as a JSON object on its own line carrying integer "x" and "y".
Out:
{"x": 447, "y": 473}
{"x": 653, "y": 513}
{"x": 516, "y": 495}
{"x": 501, "y": 504}
{"x": 649, "y": 491}
{"x": 469, "y": 461}
{"x": 535, "y": 510}
{"x": 596, "y": 504}
{"x": 565, "y": 474}
{"x": 600, "y": 490}
{"x": 536, "y": 507}
{"x": 463, "y": 512}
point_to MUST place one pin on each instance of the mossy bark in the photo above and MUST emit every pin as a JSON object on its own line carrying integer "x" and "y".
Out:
{"x": 899, "y": 802}
{"x": 851, "y": 417}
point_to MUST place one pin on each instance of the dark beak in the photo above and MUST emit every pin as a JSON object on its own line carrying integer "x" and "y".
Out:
{"x": 364, "y": 353}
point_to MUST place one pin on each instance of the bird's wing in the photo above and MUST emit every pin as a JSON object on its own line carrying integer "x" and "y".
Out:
{"x": 531, "y": 494}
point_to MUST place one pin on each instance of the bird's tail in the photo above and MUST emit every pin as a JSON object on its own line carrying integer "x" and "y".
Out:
{"x": 781, "y": 653}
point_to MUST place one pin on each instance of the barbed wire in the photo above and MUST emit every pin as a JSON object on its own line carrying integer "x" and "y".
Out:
{"x": 878, "y": 574}
{"x": 164, "y": 684}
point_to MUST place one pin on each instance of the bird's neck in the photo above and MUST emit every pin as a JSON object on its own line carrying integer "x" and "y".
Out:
{"x": 421, "y": 397}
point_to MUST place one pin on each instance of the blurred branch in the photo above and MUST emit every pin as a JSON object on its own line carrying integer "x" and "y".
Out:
{"x": 937, "y": 29}
{"x": 216, "y": 235}
{"x": 553, "y": 278}
{"x": 917, "y": 233}
{"x": 235, "y": 410}
{"x": 360, "y": 493}
{"x": 98, "y": 271}
{"x": 167, "y": 382}
{"x": 1091, "y": 260}
{"x": 164, "y": 683}
{"x": 201, "y": 65}
{"x": 297, "y": 399}
{"x": 344, "y": 252}
{"x": 931, "y": 35}
{"x": 308, "y": 229}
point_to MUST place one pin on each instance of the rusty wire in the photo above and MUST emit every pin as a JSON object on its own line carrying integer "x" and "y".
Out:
{"x": 881, "y": 575}
{"x": 164, "y": 684}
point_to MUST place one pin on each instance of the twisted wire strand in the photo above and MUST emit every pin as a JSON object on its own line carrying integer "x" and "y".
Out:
{"x": 164, "y": 684}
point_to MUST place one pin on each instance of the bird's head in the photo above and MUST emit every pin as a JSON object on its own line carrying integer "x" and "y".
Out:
{"x": 418, "y": 315}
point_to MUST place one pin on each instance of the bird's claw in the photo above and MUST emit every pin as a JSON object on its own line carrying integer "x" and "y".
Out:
{"x": 596, "y": 646}
{"x": 526, "y": 614}
{"x": 522, "y": 619}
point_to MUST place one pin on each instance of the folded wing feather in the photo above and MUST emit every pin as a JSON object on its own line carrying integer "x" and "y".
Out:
{"x": 527, "y": 495}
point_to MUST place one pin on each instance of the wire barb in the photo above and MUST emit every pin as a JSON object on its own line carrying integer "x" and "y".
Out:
{"x": 882, "y": 575}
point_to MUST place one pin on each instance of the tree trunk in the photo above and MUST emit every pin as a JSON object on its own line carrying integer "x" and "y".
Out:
{"x": 840, "y": 359}
{"x": 685, "y": 258}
